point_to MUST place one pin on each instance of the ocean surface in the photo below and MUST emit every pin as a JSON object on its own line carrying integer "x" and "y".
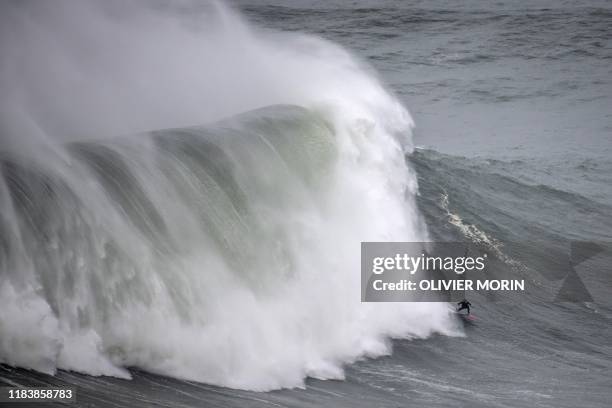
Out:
{"x": 183, "y": 190}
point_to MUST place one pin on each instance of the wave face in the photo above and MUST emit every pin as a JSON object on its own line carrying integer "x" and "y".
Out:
{"x": 510, "y": 201}
{"x": 226, "y": 253}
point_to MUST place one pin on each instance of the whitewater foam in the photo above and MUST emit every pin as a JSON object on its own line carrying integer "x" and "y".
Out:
{"x": 225, "y": 253}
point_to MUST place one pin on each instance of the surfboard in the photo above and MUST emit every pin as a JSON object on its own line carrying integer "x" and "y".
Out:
{"x": 469, "y": 317}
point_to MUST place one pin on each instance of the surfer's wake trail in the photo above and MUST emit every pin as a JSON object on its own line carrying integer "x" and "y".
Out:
{"x": 226, "y": 253}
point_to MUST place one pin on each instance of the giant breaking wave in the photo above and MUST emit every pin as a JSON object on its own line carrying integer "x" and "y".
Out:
{"x": 226, "y": 253}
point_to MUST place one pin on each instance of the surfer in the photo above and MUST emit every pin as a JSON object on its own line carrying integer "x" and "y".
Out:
{"x": 464, "y": 304}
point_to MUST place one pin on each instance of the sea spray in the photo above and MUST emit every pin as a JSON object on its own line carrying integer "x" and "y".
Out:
{"x": 226, "y": 253}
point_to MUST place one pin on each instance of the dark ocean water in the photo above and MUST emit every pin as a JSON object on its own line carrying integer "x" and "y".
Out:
{"x": 514, "y": 151}
{"x": 511, "y": 78}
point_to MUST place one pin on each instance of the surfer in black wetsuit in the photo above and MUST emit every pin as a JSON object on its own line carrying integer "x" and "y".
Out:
{"x": 464, "y": 304}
